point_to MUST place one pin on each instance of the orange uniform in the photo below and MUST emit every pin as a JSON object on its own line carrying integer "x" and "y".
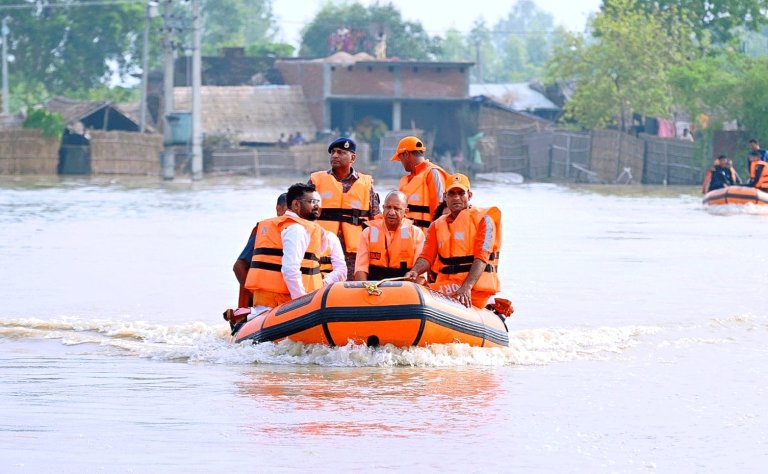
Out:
{"x": 384, "y": 254}
{"x": 423, "y": 190}
{"x": 454, "y": 244}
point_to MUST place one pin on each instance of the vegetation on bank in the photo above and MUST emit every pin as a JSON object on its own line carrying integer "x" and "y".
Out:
{"x": 636, "y": 57}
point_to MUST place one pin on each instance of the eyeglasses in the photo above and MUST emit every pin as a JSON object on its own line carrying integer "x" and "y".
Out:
{"x": 311, "y": 202}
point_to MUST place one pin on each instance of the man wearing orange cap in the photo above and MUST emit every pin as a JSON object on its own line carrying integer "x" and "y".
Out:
{"x": 425, "y": 183}
{"x": 462, "y": 248}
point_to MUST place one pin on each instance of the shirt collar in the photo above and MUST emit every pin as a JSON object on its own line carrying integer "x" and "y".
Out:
{"x": 291, "y": 213}
{"x": 352, "y": 174}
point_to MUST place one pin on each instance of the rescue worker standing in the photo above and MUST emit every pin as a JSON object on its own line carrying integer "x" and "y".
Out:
{"x": 758, "y": 171}
{"x": 462, "y": 248}
{"x": 285, "y": 255}
{"x": 425, "y": 183}
{"x": 348, "y": 198}
{"x": 720, "y": 175}
{"x": 388, "y": 247}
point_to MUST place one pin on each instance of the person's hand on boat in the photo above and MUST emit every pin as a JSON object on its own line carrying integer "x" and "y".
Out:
{"x": 464, "y": 296}
{"x": 410, "y": 275}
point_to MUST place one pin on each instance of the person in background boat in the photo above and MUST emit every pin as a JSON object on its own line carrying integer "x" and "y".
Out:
{"x": 285, "y": 263}
{"x": 349, "y": 199}
{"x": 754, "y": 145}
{"x": 388, "y": 247}
{"x": 758, "y": 172}
{"x": 425, "y": 183}
{"x": 720, "y": 175}
{"x": 462, "y": 248}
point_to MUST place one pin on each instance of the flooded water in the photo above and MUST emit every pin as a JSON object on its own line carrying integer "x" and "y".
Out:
{"x": 639, "y": 341}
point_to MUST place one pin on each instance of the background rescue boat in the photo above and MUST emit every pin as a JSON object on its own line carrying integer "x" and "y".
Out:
{"x": 400, "y": 313}
{"x": 736, "y": 195}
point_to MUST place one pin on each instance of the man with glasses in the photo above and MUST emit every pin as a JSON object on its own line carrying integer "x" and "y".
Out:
{"x": 388, "y": 247}
{"x": 348, "y": 198}
{"x": 285, "y": 263}
{"x": 425, "y": 183}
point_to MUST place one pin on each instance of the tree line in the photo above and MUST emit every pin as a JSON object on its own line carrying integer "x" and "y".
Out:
{"x": 646, "y": 57}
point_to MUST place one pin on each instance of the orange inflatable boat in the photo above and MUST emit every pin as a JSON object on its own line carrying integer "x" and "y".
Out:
{"x": 396, "y": 312}
{"x": 736, "y": 195}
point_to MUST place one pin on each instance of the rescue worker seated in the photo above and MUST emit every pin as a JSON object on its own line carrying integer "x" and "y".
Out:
{"x": 462, "y": 248}
{"x": 243, "y": 262}
{"x": 758, "y": 172}
{"x": 720, "y": 175}
{"x": 285, "y": 263}
{"x": 388, "y": 247}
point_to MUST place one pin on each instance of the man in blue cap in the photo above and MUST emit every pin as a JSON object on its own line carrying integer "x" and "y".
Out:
{"x": 348, "y": 198}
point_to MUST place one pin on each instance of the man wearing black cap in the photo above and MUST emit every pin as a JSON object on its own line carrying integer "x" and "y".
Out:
{"x": 348, "y": 198}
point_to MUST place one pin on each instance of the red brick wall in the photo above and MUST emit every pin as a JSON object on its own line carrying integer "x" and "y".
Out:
{"x": 398, "y": 80}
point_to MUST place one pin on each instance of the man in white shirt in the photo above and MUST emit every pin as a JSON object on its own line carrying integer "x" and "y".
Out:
{"x": 285, "y": 263}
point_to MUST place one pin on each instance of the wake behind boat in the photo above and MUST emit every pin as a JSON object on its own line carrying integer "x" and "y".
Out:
{"x": 399, "y": 313}
{"x": 735, "y": 195}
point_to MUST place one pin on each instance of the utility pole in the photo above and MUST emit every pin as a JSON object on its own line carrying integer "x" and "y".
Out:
{"x": 169, "y": 161}
{"x": 151, "y": 12}
{"x": 197, "y": 135}
{"x": 6, "y": 94}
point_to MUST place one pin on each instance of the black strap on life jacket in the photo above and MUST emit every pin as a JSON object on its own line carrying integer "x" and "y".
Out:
{"x": 453, "y": 265}
{"x": 279, "y": 253}
{"x": 418, "y": 208}
{"x": 276, "y": 267}
{"x": 350, "y": 216}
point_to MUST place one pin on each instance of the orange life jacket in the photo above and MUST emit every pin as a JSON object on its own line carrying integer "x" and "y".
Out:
{"x": 394, "y": 258}
{"x": 455, "y": 251}
{"x": 760, "y": 182}
{"x": 422, "y": 201}
{"x": 348, "y": 210}
{"x": 266, "y": 264}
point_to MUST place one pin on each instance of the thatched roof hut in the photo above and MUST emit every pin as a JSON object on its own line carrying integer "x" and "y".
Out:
{"x": 250, "y": 114}
{"x": 98, "y": 115}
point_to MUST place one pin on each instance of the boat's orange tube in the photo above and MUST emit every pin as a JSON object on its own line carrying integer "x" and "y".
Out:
{"x": 736, "y": 195}
{"x": 399, "y": 313}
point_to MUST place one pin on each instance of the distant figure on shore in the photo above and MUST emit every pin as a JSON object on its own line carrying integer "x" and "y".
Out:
{"x": 298, "y": 139}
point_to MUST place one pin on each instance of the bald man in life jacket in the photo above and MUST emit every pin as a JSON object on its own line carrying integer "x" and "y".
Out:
{"x": 462, "y": 247}
{"x": 388, "y": 247}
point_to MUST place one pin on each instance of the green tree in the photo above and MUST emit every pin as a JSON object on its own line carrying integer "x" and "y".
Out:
{"x": 68, "y": 48}
{"x": 624, "y": 69}
{"x": 710, "y": 85}
{"x": 523, "y": 41}
{"x": 361, "y": 27}
{"x": 488, "y": 67}
{"x": 709, "y": 20}
{"x": 247, "y": 23}
{"x": 753, "y": 113}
